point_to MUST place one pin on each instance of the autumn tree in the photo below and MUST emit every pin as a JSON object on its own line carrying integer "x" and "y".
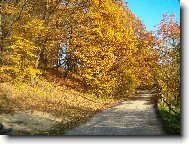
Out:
{"x": 29, "y": 31}
{"x": 103, "y": 42}
{"x": 100, "y": 41}
{"x": 168, "y": 74}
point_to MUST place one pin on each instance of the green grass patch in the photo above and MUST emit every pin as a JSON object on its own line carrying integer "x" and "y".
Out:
{"x": 170, "y": 120}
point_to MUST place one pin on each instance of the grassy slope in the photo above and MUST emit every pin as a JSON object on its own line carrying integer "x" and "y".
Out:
{"x": 66, "y": 99}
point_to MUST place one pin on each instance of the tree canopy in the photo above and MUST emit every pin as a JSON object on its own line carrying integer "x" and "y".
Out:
{"x": 103, "y": 42}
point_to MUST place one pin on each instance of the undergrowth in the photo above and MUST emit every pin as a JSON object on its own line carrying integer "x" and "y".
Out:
{"x": 170, "y": 120}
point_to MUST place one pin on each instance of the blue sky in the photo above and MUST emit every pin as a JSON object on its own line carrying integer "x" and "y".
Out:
{"x": 150, "y": 11}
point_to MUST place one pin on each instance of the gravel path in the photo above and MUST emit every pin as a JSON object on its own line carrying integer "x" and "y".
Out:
{"x": 136, "y": 116}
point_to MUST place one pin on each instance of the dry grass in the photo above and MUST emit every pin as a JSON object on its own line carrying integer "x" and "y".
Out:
{"x": 54, "y": 97}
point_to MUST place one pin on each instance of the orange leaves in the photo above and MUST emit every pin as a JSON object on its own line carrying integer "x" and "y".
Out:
{"x": 101, "y": 40}
{"x": 108, "y": 49}
{"x": 168, "y": 72}
{"x": 167, "y": 27}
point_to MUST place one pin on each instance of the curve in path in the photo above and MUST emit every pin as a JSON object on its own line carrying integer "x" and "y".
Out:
{"x": 136, "y": 116}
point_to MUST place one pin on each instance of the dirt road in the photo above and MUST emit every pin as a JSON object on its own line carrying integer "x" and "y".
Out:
{"x": 136, "y": 116}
